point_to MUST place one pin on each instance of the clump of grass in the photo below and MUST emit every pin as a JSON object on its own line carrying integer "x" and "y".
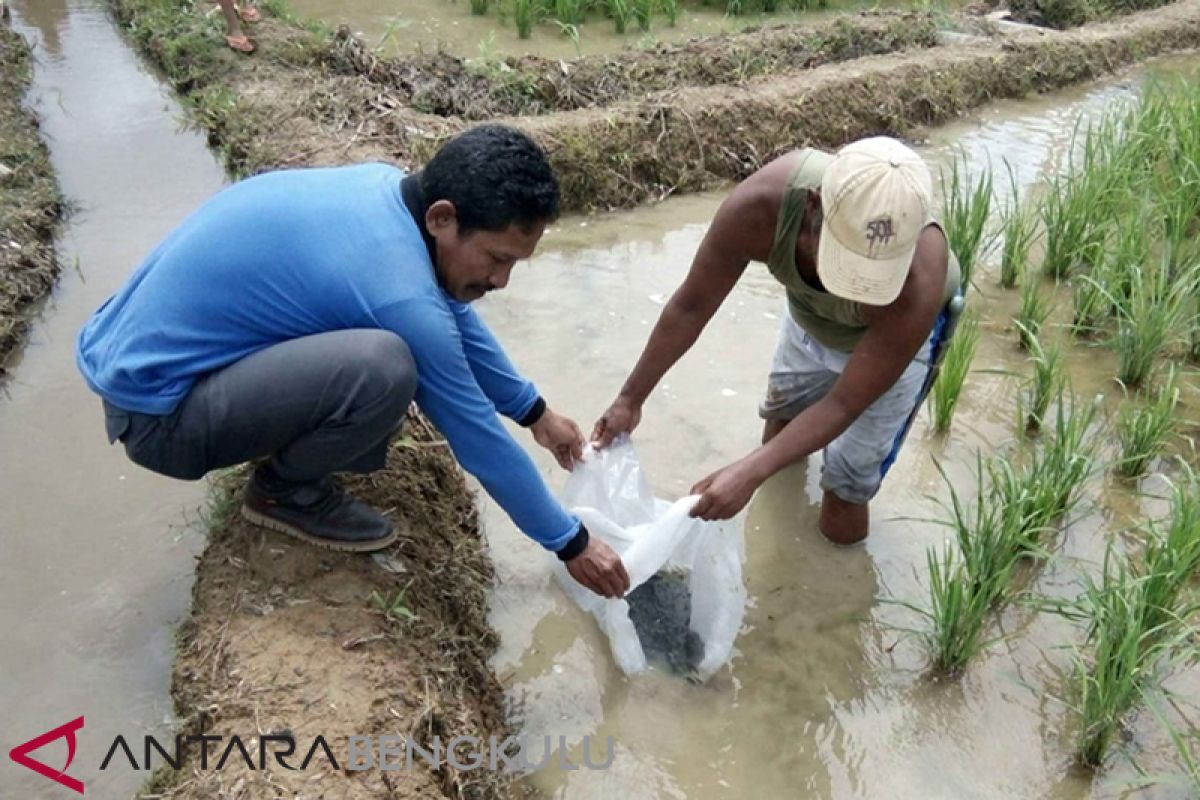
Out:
{"x": 1045, "y": 383}
{"x": 479, "y": 7}
{"x": 671, "y": 9}
{"x": 1033, "y": 311}
{"x": 621, "y": 13}
{"x": 1156, "y": 315}
{"x": 1076, "y": 202}
{"x": 1064, "y": 461}
{"x": 956, "y": 364}
{"x": 643, "y": 11}
{"x": 1019, "y": 226}
{"x": 968, "y": 203}
{"x": 525, "y": 16}
{"x": 393, "y": 607}
{"x": 1143, "y": 430}
{"x": 570, "y": 12}
{"x": 1137, "y": 619}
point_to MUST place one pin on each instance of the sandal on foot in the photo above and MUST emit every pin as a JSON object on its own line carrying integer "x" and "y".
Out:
{"x": 240, "y": 43}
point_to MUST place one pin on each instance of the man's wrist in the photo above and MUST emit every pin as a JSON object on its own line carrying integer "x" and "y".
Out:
{"x": 534, "y": 414}
{"x": 575, "y": 546}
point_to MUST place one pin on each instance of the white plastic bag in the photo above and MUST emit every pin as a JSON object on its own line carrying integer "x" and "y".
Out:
{"x": 609, "y": 493}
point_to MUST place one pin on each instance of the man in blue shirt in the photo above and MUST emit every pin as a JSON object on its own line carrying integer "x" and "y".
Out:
{"x": 297, "y": 314}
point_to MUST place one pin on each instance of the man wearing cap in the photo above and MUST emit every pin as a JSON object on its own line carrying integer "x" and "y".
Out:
{"x": 868, "y": 273}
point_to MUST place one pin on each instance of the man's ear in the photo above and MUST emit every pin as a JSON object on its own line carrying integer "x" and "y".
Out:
{"x": 441, "y": 218}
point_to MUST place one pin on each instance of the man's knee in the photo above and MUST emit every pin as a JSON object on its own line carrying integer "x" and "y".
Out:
{"x": 843, "y": 522}
{"x": 388, "y": 361}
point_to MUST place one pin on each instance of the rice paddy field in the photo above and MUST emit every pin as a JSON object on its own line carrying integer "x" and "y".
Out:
{"x": 1021, "y": 621}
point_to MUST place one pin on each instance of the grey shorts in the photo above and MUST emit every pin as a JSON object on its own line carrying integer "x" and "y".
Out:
{"x": 803, "y": 372}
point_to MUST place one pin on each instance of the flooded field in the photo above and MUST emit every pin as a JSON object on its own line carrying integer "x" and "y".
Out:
{"x": 828, "y": 697}
{"x": 409, "y": 26}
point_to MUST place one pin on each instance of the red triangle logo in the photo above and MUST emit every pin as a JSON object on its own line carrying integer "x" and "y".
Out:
{"x": 20, "y": 754}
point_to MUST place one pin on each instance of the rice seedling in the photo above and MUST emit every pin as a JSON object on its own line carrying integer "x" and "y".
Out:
{"x": 621, "y": 13}
{"x": 1063, "y": 462}
{"x": 1124, "y": 652}
{"x": 1143, "y": 430}
{"x": 956, "y": 364}
{"x": 966, "y": 583}
{"x": 1019, "y": 225}
{"x": 733, "y": 8}
{"x": 570, "y": 12}
{"x": 1090, "y": 304}
{"x": 1172, "y": 556}
{"x": 1033, "y": 311}
{"x": 643, "y": 10}
{"x": 1155, "y": 317}
{"x": 671, "y": 9}
{"x": 525, "y": 13}
{"x": 1076, "y": 202}
{"x": 968, "y": 204}
{"x": 1045, "y": 383}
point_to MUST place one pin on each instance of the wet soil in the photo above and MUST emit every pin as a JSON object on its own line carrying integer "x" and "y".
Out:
{"x": 661, "y": 612}
{"x": 31, "y": 206}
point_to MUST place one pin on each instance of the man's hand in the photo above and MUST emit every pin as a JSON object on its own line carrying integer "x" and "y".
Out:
{"x": 621, "y": 417}
{"x": 561, "y": 436}
{"x": 725, "y": 492}
{"x": 599, "y": 568}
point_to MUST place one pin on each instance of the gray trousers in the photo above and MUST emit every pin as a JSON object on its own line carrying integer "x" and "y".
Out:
{"x": 318, "y": 404}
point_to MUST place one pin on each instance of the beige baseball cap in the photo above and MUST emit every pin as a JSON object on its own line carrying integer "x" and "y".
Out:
{"x": 876, "y": 194}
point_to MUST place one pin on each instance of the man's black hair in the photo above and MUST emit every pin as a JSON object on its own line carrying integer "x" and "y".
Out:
{"x": 495, "y": 176}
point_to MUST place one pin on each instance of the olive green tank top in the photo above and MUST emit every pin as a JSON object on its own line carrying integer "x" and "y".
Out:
{"x": 833, "y": 321}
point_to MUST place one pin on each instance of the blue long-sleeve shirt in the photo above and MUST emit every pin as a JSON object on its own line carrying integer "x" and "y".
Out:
{"x": 300, "y": 252}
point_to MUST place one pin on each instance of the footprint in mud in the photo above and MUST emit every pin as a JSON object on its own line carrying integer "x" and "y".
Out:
{"x": 661, "y": 609}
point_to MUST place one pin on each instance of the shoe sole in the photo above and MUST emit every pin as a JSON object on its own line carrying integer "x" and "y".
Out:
{"x": 262, "y": 520}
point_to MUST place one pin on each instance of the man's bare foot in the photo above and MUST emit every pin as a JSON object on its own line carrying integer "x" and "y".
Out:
{"x": 249, "y": 14}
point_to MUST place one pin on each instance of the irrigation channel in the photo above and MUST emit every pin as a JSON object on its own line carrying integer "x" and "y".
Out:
{"x": 827, "y": 697}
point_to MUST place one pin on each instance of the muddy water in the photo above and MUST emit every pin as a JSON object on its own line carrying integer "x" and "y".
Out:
{"x": 407, "y": 26}
{"x": 827, "y": 697}
{"x": 97, "y": 554}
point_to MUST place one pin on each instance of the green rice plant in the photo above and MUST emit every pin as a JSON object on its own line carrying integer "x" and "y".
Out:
{"x": 957, "y": 615}
{"x": 966, "y": 583}
{"x": 525, "y": 14}
{"x": 1045, "y": 383}
{"x": 968, "y": 204}
{"x": 479, "y": 7}
{"x": 1033, "y": 311}
{"x": 671, "y": 9}
{"x": 1143, "y": 430}
{"x": 1123, "y": 657}
{"x": 570, "y": 12}
{"x": 1019, "y": 225}
{"x": 956, "y": 364}
{"x": 1137, "y": 618}
{"x": 1065, "y": 460}
{"x": 733, "y": 8}
{"x": 643, "y": 10}
{"x": 1172, "y": 554}
{"x": 621, "y": 13}
{"x": 1156, "y": 316}
{"x": 1090, "y": 303}
{"x": 1076, "y": 202}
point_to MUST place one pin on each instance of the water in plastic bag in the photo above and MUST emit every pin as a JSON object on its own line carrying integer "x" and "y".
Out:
{"x": 677, "y": 565}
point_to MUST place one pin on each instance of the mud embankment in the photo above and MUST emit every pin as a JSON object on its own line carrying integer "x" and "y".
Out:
{"x": 31, "y": 207}
{"x": 285, "y": 638}
{"x": 312, "y": 97}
